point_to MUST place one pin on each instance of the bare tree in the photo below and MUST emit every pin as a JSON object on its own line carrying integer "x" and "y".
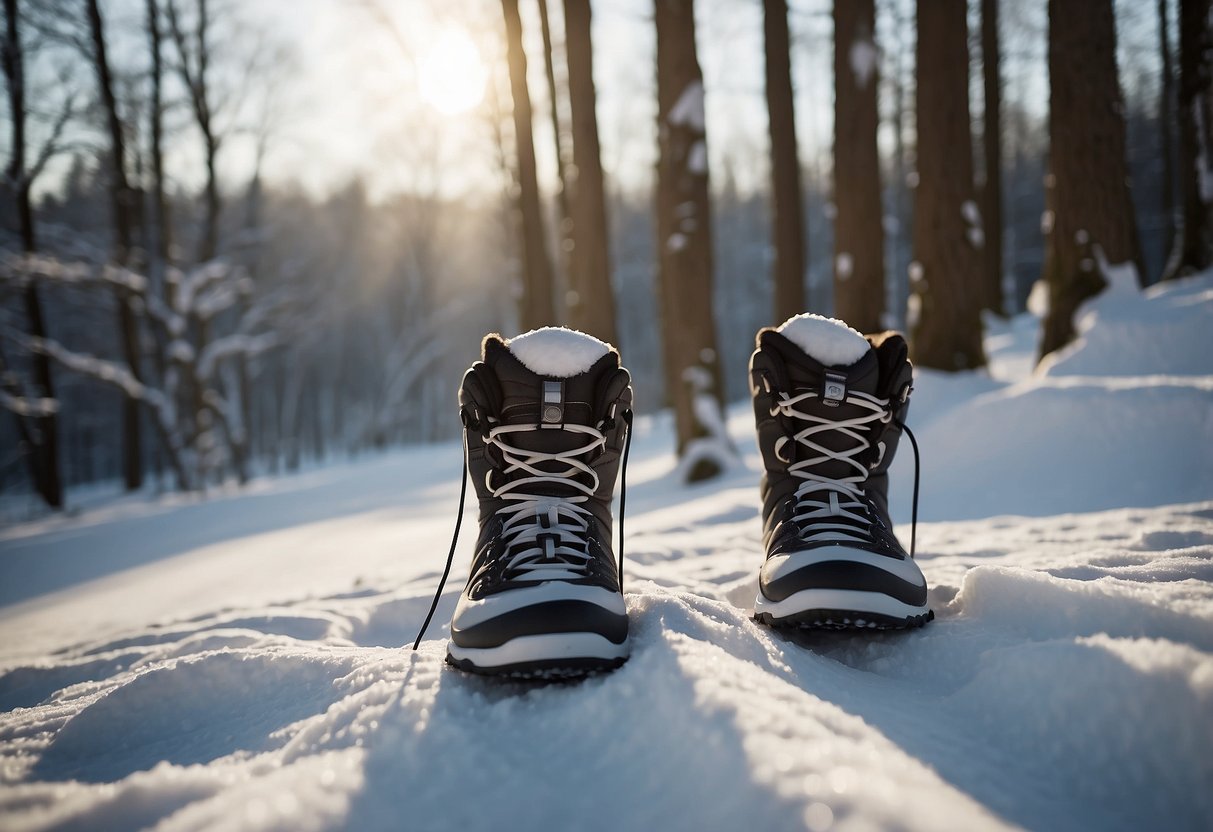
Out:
{"x": 591, "y": 297}
{"x": 38, "y": 426}
{"x": 1090, "y": 220}
{"x": 684, "y": 243}
{"x": 991, "y": 139}
{"x": 947, "y": 224}
{"x": 859, "y": 291}
{"x": 124, "y": 204}
{"x": 193, "y": 68}
{"x": 536, "y": 307}
{"x": 1193, "y": 248}
{"x": 161, "y": 228}
{"x": 564, "y": 230}
{"x": 787, "y": 221}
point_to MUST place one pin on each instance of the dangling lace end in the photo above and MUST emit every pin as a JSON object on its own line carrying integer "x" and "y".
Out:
{"x": 623, "y": 488}
{"x": 463, "y": 490}
{"x": 914, "y": 505}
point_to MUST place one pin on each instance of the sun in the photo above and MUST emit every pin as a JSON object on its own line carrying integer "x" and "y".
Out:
{"x": 451, "y": 75}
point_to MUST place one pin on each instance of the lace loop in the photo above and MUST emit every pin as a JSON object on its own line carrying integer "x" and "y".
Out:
{"x": 838, "y": 505}
{"x": 546, "y": 534}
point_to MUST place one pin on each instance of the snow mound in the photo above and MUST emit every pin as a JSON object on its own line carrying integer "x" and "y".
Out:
{"x": 556, "y": 351}
{"x": 1164, "y": 330}
{"x": 828, "y": 340}
{"x": 1122, "y": 417}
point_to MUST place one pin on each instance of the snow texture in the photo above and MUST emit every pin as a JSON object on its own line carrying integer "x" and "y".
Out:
{"x": 844, "y": 264}
{"x": 697, "y": 159}
{"x": 238, "y": 662}
{"x": 864, "y": 56}
{"x": 557, "y": 352}
{"x": 688, "y": 109}
{"x": 828, "y": 340}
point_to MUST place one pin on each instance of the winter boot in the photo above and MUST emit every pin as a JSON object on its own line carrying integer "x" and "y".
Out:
{"x": 547, "y": 418}
{"x": 830, "y": 405}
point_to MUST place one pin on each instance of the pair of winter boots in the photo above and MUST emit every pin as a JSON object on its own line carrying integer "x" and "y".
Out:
{"x": 547, "y": 424}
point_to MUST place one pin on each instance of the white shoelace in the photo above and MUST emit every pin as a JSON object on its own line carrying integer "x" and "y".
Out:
{"x": 836, "y": 500}
{"x": 554, "y": 526}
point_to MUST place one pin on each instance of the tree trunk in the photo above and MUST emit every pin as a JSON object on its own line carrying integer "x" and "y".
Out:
{"x": 202, "y": 106}
{"x": 192, "y": 66}
{"x": 859, "y": 221}
{"x": 684, "y": 228}
{"x": 1193, "y": 249}
{"x": 991, "y": 136}
{"x": 44, "y": 430}
{"x": 947, "y": 230}
{"x": 901, "y": 190}
{"x": 591, "y": 297}
{"x": 787, "y": 209}
{"x": 122, "y": 200}
{"x": 536, "y": 306}
{"x": 564, "y": 231}
{"x": 1091, "y": 220}
{"x": 162, "y": 237}
{"x": 1166, "y": 98}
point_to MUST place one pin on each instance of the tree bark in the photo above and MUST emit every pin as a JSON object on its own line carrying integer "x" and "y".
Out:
{"x": 122, "y": 200}
{"x": 684, "y": 228}
{"x": 591, "y": 297}
{"x": 1193, "y": 248}
{"x": 947, "y": 256}
{"x": 1090, "y": 220}
{"x": 859, "y": 297}
{"x": 991, "y": 136}
{"x": 536, "y": 307}
{"x": 787, "y": 207}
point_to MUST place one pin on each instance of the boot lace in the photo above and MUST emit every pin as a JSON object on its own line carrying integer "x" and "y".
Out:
{"x": 836, "y": 506}
{"x": 546, "y": 534}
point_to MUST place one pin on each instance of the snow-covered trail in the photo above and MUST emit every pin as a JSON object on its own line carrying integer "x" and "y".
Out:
{"x": 242, "y": 663}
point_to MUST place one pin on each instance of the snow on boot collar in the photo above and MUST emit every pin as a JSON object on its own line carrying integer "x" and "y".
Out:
{"x": 827, "y": 340}
{"x": 557, "y": 352}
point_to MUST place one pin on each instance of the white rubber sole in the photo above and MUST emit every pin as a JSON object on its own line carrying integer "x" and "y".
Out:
{"x": 550, "y": 647}
{"x": 846, "y": 600}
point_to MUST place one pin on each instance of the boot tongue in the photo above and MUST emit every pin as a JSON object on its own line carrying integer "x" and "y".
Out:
{"x": 828, "y": 357}
{"x": 549, "y": 378}
{"x": 818, "y": 351}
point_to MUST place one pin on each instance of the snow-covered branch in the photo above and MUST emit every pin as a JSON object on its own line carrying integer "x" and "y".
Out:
{"x": 230, "y": 346}
{"x": 20, "y": 270}
{"x": 30, "y": 408}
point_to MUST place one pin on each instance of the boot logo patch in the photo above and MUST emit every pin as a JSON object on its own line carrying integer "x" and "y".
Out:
{"x": 834, "y": 389}
{"x": 553, "y": 403}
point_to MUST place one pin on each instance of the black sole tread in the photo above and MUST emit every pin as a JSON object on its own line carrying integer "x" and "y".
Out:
{"x": 546, "y": 670}
{"x": 844, "y": 620}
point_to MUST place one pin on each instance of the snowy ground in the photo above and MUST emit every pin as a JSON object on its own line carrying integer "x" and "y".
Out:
{"x": 238, "y": 663}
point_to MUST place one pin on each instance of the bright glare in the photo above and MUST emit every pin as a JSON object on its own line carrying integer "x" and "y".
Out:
{"x": 452, "y": 76}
